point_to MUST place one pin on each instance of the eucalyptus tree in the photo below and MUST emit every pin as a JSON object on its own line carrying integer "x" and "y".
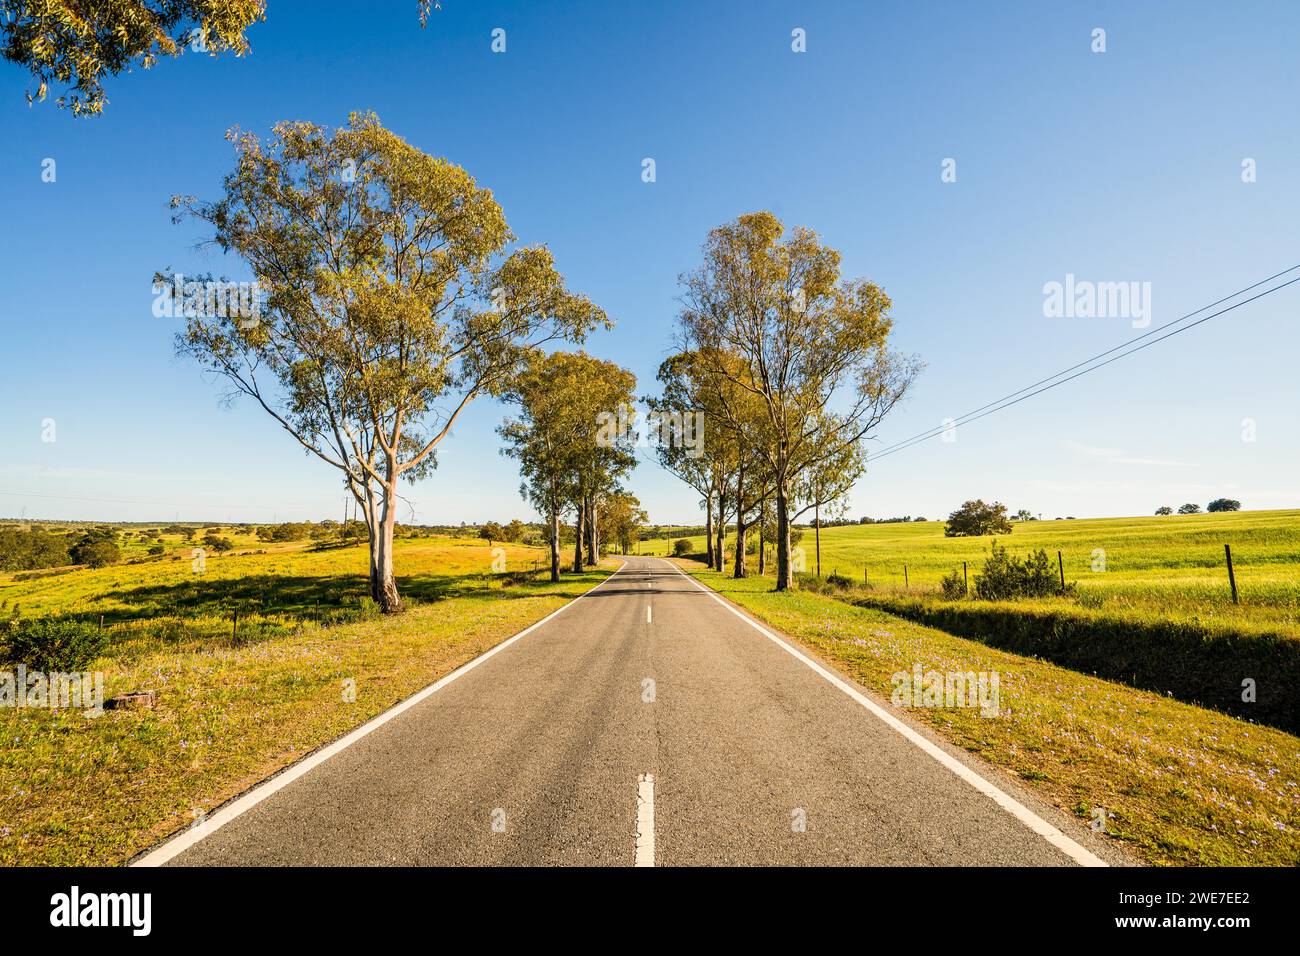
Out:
{"x": 541, "y": 438}
{"x": 568, "y": 458}
{"x": 694, "y": 466}
{"x": 393, "y": 295}
{"x": 769, "y": 312}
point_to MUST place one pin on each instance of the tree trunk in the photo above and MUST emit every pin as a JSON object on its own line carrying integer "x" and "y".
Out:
{"x": 720, "y": 532}
{"x": 784, "y": 573}
{"x": 762, "y": 545}
{"x": 708, "y": 526}
{"x": 555, "y": 543}
{"x": 740, "y": 570}
{"x": 580, "y": 528}
{"x": 593, "y": 532}
{"x": 383, "y": 585}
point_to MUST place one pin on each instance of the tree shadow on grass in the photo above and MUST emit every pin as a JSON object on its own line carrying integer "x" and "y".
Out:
{"x": 329, "y": 599}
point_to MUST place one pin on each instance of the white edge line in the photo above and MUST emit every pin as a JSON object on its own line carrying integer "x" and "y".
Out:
{"x": 180, "y": 842}
{"x": 1033, "y": 821}
{"x": 645, "y": 820}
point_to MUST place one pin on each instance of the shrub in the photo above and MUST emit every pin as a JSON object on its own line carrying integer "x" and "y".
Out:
{"x": 1224, "y": 504}
{"x": 217, "y": 543}
{"x": 51, "y": 643}
{"x": 953, "y": 585}
{"x": 1005, "y": 576}
{"x": 837, "y": 580}
{"x": 1189, "y": 509}
{"x": 682, "y": 546}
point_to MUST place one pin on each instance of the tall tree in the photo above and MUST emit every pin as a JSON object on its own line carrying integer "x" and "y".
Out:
{"x": 770, "y": 313}
{"x": 391, "y": 303}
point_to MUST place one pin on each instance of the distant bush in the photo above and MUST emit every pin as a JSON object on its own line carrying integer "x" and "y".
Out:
{"x": 1164, "y": 510}
{"x": 1005, "y": 576}
{"x": 681, "y": 547}
{"x": 289, "y": 531}
{"x": 839, "y": 581}
{"x": 1189, "y": 509}
{"x": 158, "y": 549}
{"x": 52, "y": 644}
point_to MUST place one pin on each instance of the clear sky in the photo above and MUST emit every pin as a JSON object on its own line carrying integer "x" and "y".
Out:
{"x": 1117, "y": 166}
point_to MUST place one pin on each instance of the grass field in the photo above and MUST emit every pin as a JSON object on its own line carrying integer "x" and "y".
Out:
{"x": 1172, "y": 567}
{"x": 234, "y": 708}
{"x": 1179, "y": 784}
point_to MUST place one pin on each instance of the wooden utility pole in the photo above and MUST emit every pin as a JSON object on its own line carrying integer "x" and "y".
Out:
{"x": 1060, "y": 564}
{"x": 965, "y": 581}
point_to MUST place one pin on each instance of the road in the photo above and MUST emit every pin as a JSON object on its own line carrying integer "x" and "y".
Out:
{"x": 646, "y": 723}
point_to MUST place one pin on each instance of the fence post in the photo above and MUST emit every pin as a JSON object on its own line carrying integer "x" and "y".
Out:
{"x": 965, "y": 581}
{"x": 1060, "y": 564}
{"x": 1232, "y": 578}
{"x": 866, "y": 579}
{"x": 101, "y": 622}
{"x": 906, "y": 586}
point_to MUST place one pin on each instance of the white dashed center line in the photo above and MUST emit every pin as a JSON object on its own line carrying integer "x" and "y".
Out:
{"x": 645, "y": 820}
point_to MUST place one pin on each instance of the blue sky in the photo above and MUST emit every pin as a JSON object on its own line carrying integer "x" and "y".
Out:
{"x": 1115, "y": 166}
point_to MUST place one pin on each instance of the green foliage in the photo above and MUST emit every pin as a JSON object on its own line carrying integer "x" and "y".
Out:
{"x": 492, "y": 532}
{"x": 976, "y": 518}
{"x": 214, "y": 542}
{"x": 1223, "y": 504}
{"x": 682, "y": 547}
{"x": 1189, "y": 509}
{"x": 51, "y": 643}
{"x": 289, "y": 531}
{"x": 953, "y": 585}
{"x": 1005, "y": 576}
{"x": 1164, "y": 510}
{"x": 97, "y": 548}
{"x": 839, "y": 581}
{"x": 29, "y": 550}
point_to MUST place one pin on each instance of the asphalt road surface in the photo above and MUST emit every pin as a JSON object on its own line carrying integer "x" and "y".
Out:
{"x": 646, "y": 723}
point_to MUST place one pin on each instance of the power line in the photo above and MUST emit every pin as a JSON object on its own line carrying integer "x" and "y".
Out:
{"x": 1006, "y": 401}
